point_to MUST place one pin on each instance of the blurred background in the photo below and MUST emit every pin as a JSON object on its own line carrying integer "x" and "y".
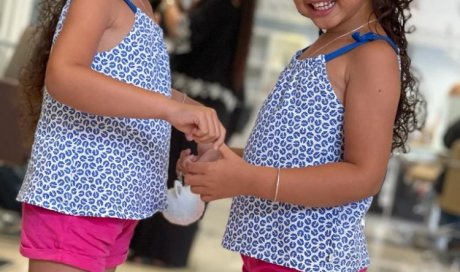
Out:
{"x": 413, "y": 224}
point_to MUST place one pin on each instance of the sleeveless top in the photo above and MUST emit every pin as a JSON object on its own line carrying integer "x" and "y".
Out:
{"x": 90, "y": 165}
{"x": 300, "y": 124}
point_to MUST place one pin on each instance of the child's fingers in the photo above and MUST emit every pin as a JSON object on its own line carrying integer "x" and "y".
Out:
{"x": 220, "y": 141}
{"x": 182, "y": 156}
{"x": 213, "y": 131}
{"x": 185, "y": 152}
{"x": 195, "y": 167}
{"x": 189, "y": 136}
{"x": 209, "y": 127}
{"x": 207, "y": 198}
{"x": 199, "y": 190}
{"x": 185, "y": 155}
{"x": 202, "y": 127}
{"x": 226, "y": 151}
{"x": 200, "y": 136}
{"x": 202, "y": 148}
{"x": 217, "y": 128}
{"x": 210, "y": 156}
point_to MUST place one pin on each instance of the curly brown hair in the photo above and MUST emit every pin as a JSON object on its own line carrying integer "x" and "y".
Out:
{"x": 410, "y": 116}
{"x": 32, "y": 77}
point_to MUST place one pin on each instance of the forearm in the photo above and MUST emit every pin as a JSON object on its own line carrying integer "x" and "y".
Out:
{"x": 92, "y": 92}
{"x": 316, "y": 186}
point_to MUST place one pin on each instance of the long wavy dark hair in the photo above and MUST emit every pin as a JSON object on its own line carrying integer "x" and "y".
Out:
{"x": 32, "y": 77}
{"x": 393, "y": 16}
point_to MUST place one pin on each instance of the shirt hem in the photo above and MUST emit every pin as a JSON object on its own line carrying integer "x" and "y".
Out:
{"x": 117, "y": 214}
{"x": 365, "y": 265}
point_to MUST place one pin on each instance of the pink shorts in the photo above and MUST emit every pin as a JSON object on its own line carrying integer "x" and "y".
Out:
{"x": 89, "y": 243}
{"x": 255, "y": 265}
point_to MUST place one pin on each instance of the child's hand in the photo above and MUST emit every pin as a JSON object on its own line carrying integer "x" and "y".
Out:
{"x": 218, "y": 179}
{"x": 199, "y": 123}
{"x": 206, "y": 153}
{"x": 185, "y": 155}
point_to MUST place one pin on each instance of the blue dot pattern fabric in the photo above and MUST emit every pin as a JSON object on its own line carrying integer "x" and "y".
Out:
{"x": 89, "y": 165}
{"x": 300, "y": 124}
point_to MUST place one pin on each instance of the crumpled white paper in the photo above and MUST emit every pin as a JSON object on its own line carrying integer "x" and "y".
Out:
{"x": 184, "y": 207}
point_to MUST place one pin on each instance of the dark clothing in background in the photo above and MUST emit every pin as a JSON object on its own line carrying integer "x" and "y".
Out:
{"x": 157, "y": 239}
{"x": 452, "y": 134}
{"x": 10, "y": 183}
{"x": 214, "y": 26}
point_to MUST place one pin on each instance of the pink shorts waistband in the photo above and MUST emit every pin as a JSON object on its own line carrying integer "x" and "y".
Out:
{"x": 254, "y": 265}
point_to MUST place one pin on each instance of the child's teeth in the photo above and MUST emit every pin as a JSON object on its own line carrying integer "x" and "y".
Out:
{"x": 323, "y": 5}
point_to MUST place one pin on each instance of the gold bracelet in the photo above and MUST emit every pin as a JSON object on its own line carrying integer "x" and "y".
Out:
{"x": 277, "y": 184}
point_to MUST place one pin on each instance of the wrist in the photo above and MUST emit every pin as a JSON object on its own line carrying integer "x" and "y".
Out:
{"x": 247, "y": 186}
{"x": 262, "y": 182}
{"x": 170, "y": 108}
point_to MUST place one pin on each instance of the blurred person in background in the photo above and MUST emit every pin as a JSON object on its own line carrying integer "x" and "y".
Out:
{"x": 209, "y": 44}
{"x": 449, "y": 214}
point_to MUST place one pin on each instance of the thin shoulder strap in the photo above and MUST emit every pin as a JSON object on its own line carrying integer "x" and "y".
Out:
{"x": 360, "y": 40}
{"x": 131, "y": 5}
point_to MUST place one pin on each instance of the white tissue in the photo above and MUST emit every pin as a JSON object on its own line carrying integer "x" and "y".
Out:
{"x": 184, "y": 207}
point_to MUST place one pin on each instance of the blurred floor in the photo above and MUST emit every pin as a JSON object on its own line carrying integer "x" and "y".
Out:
{"x": 389, "y": 244}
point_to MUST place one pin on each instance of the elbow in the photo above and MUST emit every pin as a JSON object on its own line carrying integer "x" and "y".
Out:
{"x": 369, "y": 177}
{"x": 373, "y": 184}
{"x": 375, "y": 187}
{"x": 369, "y": 180}
{"x": 52, "y": 77}
{"x": 56, "y": 78}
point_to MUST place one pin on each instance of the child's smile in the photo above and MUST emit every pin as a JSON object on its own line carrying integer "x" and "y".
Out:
{"x": 332, "y": 14}
{"x": 316, "y": 9}
{"x": 322, "y": 6}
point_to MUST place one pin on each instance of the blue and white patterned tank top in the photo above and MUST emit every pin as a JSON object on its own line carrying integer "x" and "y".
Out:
{"x": 89, "y": 165}
{"x": 300, "y": 124}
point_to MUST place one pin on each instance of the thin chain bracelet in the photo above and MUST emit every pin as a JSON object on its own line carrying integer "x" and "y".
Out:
{"x": 277, "y": 184}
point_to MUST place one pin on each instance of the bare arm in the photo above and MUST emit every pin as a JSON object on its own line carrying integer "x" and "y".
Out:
{"x": 70, "y": 80}
{"x": 184, "y": 98}
{"x": 371, "y": 99}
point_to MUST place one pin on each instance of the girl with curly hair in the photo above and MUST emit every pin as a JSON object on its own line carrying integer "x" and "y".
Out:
{"x": 321, "y": 143}
{"x": 99, "y": 94}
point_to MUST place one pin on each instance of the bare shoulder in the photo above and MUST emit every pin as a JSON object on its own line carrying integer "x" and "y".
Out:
{"x": 375, "y": 64}
{"x": 99, "y": 9}
{"x": 378, "y": 55}
{"x": 85, "y": 24}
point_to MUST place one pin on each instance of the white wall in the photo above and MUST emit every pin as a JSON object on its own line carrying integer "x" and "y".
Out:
{"x": 436, "y": 55}
{"x": 15, "y": 15}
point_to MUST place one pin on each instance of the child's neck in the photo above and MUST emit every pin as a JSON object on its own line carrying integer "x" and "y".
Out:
{"x": 363, "y": 15}
{"x": 358, "y": 26}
